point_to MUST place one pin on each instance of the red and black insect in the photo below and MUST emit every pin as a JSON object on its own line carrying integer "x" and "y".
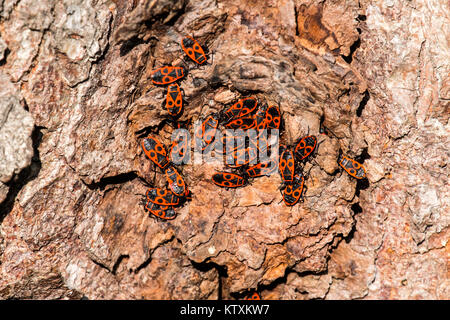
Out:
{"x": 228, "y": 180}
{"x": 273, "y": 117}
{"x": 167, "y": 74}
{"x": 264, "y": 143}
{"x": 260, "y": 117}
{"x": 253, "y": 296}
{"x": 176, "y": 182}
{"x": 163, "y": 212}
{"x": 248, "y": 106}
{"x": 230, "y": 142}
{"x": 305, "y": 147}
{"x": 242, "y": 156}
{"x": 179, "y": 150}
{"x": 193, "y": 50}
{"x": 244, "y": 123}
{"x": 265, "y": 168}
{"x": 240, "y": 109}
{"x": 162, "y": 197}
{"x": 352, "y": 167}
{"x": 155, "y": 151}
{"x": 293, "y": 191}
{"x": 286, "y": 165}
{"x": 220, "y": 147}
{"x": 206, "y": 132}
{"x": 174, "y": 100}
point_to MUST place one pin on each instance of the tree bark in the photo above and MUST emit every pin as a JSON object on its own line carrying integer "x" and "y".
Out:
{"x": 76, "y": 99}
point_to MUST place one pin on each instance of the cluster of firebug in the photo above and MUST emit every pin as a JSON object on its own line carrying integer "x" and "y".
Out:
{"x": 292, "y": 174}
{"x": 161, "y": 202}
{"x": 245, "y": 163}
{"x": 244, "y": 159}
{"x": 247, "y": 114}
{"x": 244, "y": 114}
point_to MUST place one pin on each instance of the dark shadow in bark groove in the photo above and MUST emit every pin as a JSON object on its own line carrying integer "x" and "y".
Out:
{"x": 6, "y": 53}
{"x": 221, "y": 270}
{"x": 160, "y": 18}
{"x": 128, "y": 45}
{"x": 119, "y": 260}
{"x": 119, "y": 179}
{"x": 362, "y": 184}
{"x": 156, "y": 129}
{"x": 363, "y": 156}
{"x": 26, "y": 175}
{"x": 353, "y": 48}
{"x": 356, "y": 208}
{"x": 269, "y": 287}
{"x": 363, "y": 103}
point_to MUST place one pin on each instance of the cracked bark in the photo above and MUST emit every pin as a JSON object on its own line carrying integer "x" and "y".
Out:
{"x": 374, "y": 74}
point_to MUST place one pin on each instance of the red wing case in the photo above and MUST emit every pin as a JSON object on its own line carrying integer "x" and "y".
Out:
{"x": 166, "y": 75}
{"x": 193, "y": 50}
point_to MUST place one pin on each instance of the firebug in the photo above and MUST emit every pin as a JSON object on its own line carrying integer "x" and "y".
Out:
{"x": 166, "y": 75}
{"x": 174, "y": 100}
{"x": 163, "y": 212}
{"x": 193, "y": 50}
{"x": 352, "y": 167}
{"x": 162, "y": 197}
{"x": 176, "y": 182}
{"x": 305, "y": 147}
{"x": 155, "y": 151}
{"x": 287, "y": 165}
{"x": 228, "y": 180}
{"x": 293, "y": 191}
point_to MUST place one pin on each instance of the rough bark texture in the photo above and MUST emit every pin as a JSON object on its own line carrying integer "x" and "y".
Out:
{"x": 76, "y": 98}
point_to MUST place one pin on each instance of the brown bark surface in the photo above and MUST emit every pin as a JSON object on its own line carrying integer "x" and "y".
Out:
{"x": 76, "y": 99}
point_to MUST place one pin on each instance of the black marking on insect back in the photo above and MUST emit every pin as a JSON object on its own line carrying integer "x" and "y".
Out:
{"x": 352, "y": 167}
{"x": 305, "y": 147}
{"x": 177, "y": 189}
{"x": 176, "y": 182}
{"x": 242, "y": 123}
{"x": 287, "y": 165}
{"x": 188, "y": 42}
{"x": 161, "y": 211}
{"x": 273, "y": 117}
{"x": 289, "y": 199}
{"x": 293, "y": 192}
{"x": 167, "y": 74}
{"x": 149, "y": 144}
{"x": 174, "y": 95}
{"x": 346, "y": 163}
{"x": 232, "y": 111}
{"x": 162, "y": 197}
{"x": 250, "y": 103}
{"x": 228, "y": 180}
{"x": 199, "y": 57}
